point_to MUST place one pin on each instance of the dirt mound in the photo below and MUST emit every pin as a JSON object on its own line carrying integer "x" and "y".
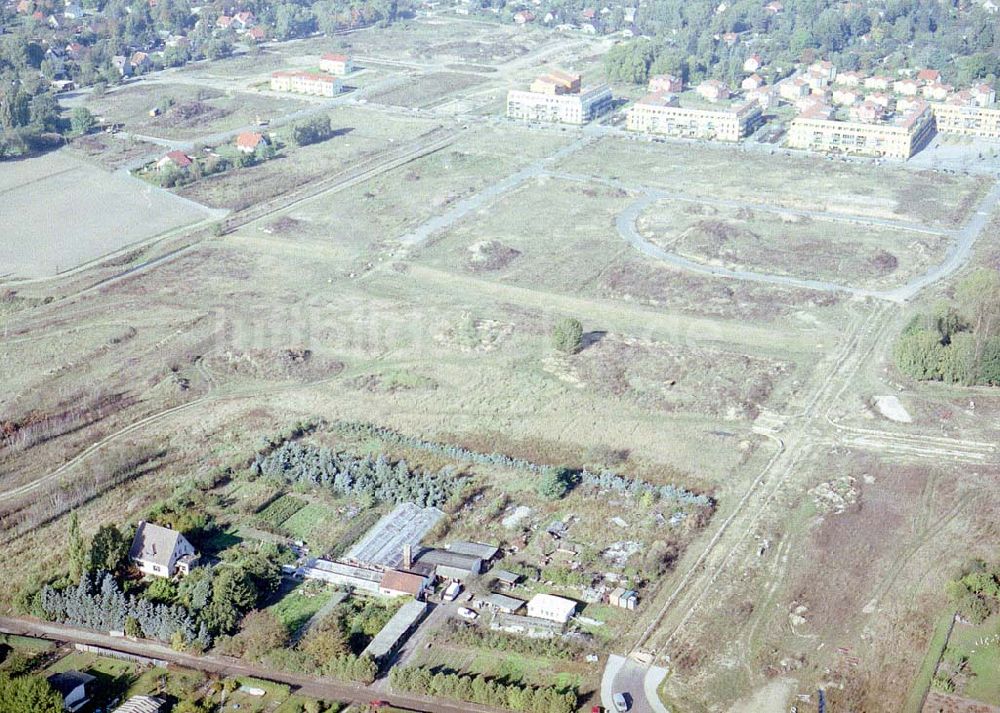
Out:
{"x": 192, "y": 113}
{"x": 281, "y": 364}
{"x": 490, "y": 255}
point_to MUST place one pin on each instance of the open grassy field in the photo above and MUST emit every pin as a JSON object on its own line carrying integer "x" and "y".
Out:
{"x": 297, "y": 604}
{"x": 193, "y": 111}
{"x": 744, "y": 238}
{"x": 60, "y": 212}
{"x": 705, "y": 170}
{"x": 980, "y": 647}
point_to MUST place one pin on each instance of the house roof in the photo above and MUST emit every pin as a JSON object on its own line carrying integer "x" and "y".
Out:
{"x": 559, "y": 605}
{"x": 179, "y": 158}
{"x": 141, "y": 704}
{"x": 444, "y": 558}
{"x": 398, "y": 581}
{"x": 69, "y": 681}
{"x": 502, "y": 601}
{"x": 249, "y": 139}
{"x": 476, "y": 549}
{"x": 928, "y": 75}
{"x": 506, "y": 577}
{"x": 153, "y": 543}
{"x": 335, "y": 57}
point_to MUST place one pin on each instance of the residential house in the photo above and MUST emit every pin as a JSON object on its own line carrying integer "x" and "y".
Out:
{"x": 256, "y": 34}
{"x": 878, "y": 82}
{"x": 936, "y": 91}
{"x": 846, "y": 97}
{"x": 754, "y": 81}
{"x": 906, "y": 87}
{"x": 730, "y": 38}
{"x": 224, "y": 22}
{"x": 824, "y": 69}
{"x": 665, "y": 83}
{"x": 174, "y": 159}
{"x": 140, "y": 62}
{"x": 74, "y": 50}
{"x": 122, "y": 65}
{"x": 243, "y": 21}
{"x": 250, "y": 141}
{"x": 763, "y": 96}
{"x": 335, "y": 63}
{"x": 793, "y": 89}
{"x": 161, "y": 551}
{"x": 880, "y": 98}
{"x": 73, "y": 687}
{"x": 774, "y": 7}
{"x": 849, "y": 79}
{"x": 752, "y": 63}
{"x": 523, "y": 17}
{"x": 551, "y": 608}
{"x": 713, "y": 90}
{"x": 868, "y": 112}
{"x": 927, "y": 76}
{"x": 983, "y": 95}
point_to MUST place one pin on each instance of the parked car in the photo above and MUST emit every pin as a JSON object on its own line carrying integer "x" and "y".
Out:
{"x": 466, "y": 613}
{"x": 451, "y": 592}
{"x": 597, "y": 709}
{"x": 621, "y": 702}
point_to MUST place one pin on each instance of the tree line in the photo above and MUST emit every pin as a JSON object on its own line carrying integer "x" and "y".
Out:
{"x": 478, "y": 688}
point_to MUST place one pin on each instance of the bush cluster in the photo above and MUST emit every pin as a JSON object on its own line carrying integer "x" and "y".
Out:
{"x": 481, "y": 689}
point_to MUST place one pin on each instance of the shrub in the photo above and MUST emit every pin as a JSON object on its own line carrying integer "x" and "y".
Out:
{"x": 567, "y": 337}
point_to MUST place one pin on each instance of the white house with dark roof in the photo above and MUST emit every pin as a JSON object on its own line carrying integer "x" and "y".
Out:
{"x": 161, "y": 551}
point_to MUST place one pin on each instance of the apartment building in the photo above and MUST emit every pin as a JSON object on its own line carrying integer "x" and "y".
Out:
{"x": 896, "y": 139}
{"x": 968, "y": 120}
{"x": 557, "y": 97}
{"x": 339, "y": 64}
{"x": 662, "y": 114}
{"x": 320, "y": 85}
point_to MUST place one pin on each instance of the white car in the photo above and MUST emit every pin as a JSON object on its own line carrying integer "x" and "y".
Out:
{"x": 621, "y": 702}
{"x": 466, "y": 613}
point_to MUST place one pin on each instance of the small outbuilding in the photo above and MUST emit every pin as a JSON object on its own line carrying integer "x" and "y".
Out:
{"x": 73, "y": 687}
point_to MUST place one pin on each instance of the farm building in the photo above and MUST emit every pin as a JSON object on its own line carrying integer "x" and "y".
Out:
{"x": 383, "y": 545}
{"x": 72, "y": 686}
{"x": 623, "y": 598}
{"x": 450, "y": 565}
{"x": 507, "y": 579}
{"x": 551, "y": 607}
{"x": 501, "y": 602}
{"x": 475, "y": 549}
{"x": 396, "y": 583}
{"x": 365, "y": 579}
{"x": 161, "y": 552}
{"x": 396, "y": 630}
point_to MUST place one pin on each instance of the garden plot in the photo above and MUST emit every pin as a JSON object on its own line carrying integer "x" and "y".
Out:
{"x": 805, "y": 183}
{"x": 59, "y": 212}
{"x": 787, "y": 243}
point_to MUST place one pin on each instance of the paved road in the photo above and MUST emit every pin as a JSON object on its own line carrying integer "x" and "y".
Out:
{"x": 315, "y": 686}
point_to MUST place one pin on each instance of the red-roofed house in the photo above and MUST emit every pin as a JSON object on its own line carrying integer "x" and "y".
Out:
{"x": 754, "y": 81}
{"x": 983, "y": 94}
{"x": 396, "y": 583}
{"x": 339, "y": 64}
{"x": 928, "y": 75}
{"x": 523, "y": 17}
{"x": 250, "y": 141}
{"x": 713, "y": 90}
{"x": 243, "y": 21}
{"x": 665, "y": 83}
{"x": 174, "y": 159}
{"x": 224, "y": 22}
{"x": 256, "y": 34}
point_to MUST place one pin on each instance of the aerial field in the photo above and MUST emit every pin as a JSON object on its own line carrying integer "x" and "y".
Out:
{"x": 792, "y": 244}
{"x": 60, "y": 212}
{"x": 703, "y": 170}
{"x": 195, "y": 111}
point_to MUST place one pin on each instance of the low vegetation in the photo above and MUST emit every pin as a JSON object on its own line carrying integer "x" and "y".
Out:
{"x": 481, "y": 689}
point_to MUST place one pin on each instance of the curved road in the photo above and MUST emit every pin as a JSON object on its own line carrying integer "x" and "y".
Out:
{"x": 956, "y": 256}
